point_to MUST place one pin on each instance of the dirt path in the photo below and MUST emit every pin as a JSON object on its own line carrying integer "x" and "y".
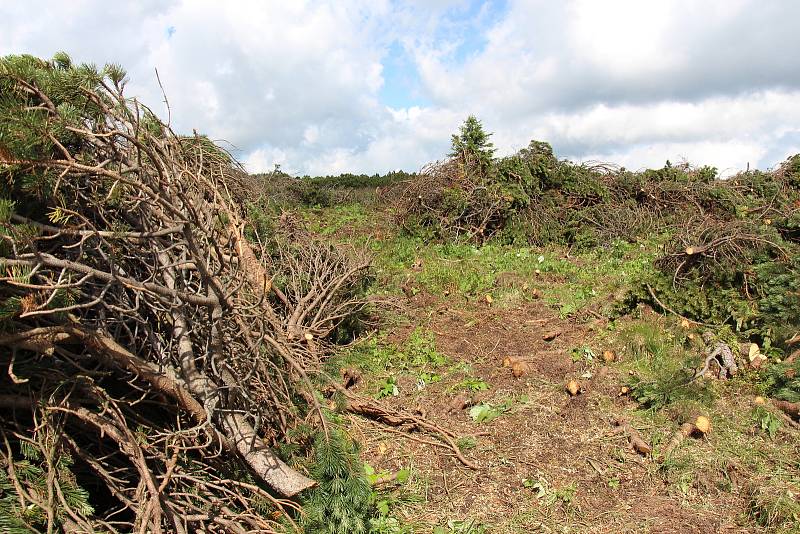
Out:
{"x": 550, "y": 462}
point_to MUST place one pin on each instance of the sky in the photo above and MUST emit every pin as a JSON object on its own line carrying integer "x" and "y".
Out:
{"x": 379, "y": 85}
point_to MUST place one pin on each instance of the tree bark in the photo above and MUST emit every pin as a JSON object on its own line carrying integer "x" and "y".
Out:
{"x": 262, "y": 459}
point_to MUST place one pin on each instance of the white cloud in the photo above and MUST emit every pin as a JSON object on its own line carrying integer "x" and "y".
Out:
{"x": 255, "y": 74}
{"x": 635, "y": 81}
{"x": 711, "y": 118}
{"x": 265, "y": 158}
{"x": 729, "y": 157}
{"x": 299, "y": 83}
{"x": 626, "y": 38}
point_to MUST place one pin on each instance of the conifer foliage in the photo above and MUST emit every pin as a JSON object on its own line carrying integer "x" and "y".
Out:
{"x": 343, "y": 501}
{"x": 471, "y": 146}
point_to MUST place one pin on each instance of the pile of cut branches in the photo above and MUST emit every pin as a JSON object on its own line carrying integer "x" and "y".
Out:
{"x": 734, "y": 256}
{"x": 731, "y": 246}
{"x": 153, "y": 355}
{"x": 702, "y": 248}
{"x": 454, "y": 201}
{"x": 470, "y": 195}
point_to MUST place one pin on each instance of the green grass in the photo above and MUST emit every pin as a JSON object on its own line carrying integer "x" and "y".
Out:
{"x": 774, "y": 504}
{"x": 471, "y": 383}
{"x": 567, "y": 283}
{"x": 383, "y": 361}
{"x": 750, "y": 452}
{"x": 329, "y": 221}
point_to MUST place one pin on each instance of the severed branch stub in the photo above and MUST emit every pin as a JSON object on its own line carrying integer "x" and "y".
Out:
{"x": 635, "y": 439}
{"x": 698, "y": 429}
{"x": 371, "y": 409}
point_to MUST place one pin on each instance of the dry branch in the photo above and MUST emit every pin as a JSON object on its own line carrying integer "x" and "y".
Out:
{"x": 792, "y": 409}
{"x": 370, "y": 409}
{"x": 134, "y": 304}
{"x": 685, "y": 430}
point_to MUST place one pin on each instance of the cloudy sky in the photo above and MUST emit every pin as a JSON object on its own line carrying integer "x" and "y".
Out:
{"x": 377, "y": 85}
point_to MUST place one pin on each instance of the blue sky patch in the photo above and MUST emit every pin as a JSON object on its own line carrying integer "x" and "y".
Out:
{"x": 468, "y": 24}
{"x": 402, "y": 87}
{"x": 461, "y": 29}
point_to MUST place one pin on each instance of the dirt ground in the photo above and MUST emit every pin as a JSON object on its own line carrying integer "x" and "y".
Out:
{"x": 546, "y": 435}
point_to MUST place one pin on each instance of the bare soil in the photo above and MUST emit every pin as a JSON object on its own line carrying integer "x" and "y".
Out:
{"x": 547, "y": 435}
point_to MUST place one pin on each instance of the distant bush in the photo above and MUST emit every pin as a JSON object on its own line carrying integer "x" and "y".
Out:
{"x": 284, "y": 190}
{"x": 356, "y": 181}
{"x": 471, "y": 195}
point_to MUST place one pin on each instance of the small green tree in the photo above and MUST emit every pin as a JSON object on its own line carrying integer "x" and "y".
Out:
{"x": 343, "y": 501}
{"x": 471, "y": 146}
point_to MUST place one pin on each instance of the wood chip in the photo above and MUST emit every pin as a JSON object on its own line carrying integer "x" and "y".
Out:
{"x": 573, "y": 387}
{"x": 550, "y": 336}
{"x": 460, "y": 402}
{"x": 520, "y": 368}
{"x": 703, "y": 424}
